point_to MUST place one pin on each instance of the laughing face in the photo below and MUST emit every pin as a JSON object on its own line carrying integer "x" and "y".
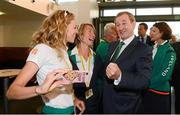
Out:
{"x": 88, "y": 35}
{"x": 124, "y": 26}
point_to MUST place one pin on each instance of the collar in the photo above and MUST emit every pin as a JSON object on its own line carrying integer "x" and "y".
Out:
{"x": 157, "y": 45}
{"x": 127, "y": 41}
{"x": 145, "y": 36}
{"x": 164, "y": 42}
{"x": 75, "y": 51}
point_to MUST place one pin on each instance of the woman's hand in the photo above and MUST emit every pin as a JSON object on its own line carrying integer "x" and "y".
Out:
{"x": 80, "y": 105}
{"x": 52, "y": 81}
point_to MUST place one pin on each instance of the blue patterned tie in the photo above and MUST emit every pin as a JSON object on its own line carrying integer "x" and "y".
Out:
{"x": 117, "y": 51}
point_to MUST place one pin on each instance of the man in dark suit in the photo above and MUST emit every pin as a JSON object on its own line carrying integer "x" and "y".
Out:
{"x": 176, "y": 78}
{"x": 142, "y": 29}
{"x": 126, "y": 76}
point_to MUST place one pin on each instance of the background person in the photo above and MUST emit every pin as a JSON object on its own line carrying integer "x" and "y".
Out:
{"x": 48, "y": 60}
{"x": 173, "y": 39}
{"x": 157, "y": 98}
{"x": 110, "y": 33}
{"x": 175, "y": 77}
{"x": 142, "y": 30}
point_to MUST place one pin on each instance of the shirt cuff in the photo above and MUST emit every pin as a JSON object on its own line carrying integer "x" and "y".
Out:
{"x": 116, "y": 82}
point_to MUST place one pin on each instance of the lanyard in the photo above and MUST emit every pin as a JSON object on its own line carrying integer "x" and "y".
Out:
{"x": 87, "y": 81}
{"x": 89, "y": 61}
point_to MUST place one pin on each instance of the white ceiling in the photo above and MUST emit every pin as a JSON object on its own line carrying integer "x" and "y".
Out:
{"x": 14, "y": 12}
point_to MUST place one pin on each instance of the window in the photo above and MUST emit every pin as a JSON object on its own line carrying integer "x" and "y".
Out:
{"x": 176, "y": 10}
{"x": 173, "y": 24}
{"x": 132, "y": 0}
{"x": 154, "y": 11}
{"x": 115, "y": 11}
{"x": 62, "y": 1}
{"x": 150, "y": 0}
{"x": 148, "y": 11}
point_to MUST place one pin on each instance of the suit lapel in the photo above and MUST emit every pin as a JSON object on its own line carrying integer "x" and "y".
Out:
{"x": 111, "y": 49}
{"x": 127, "y": 51}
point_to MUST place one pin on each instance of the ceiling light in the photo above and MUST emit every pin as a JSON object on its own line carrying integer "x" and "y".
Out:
{"x": 1, "y": 13}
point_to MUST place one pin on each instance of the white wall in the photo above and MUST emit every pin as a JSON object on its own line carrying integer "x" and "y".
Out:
{"x": 39, "y": 6}
{"x": 17, "y": 33}
{"x": 84, "y": 10}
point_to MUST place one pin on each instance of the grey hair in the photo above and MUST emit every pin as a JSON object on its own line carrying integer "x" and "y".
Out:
{"x": 107, "y": 27}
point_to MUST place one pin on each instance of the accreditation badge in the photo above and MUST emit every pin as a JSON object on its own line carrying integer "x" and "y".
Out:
{"x": 88, "y": 93}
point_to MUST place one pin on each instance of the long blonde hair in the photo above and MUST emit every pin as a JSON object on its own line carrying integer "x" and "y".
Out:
{"x": 53, "y": 30}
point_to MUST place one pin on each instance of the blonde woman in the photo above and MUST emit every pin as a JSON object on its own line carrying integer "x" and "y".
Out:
{"x": 48, "y": 60}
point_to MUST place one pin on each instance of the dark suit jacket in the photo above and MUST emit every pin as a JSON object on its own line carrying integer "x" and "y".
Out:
{"x": 148, "y": 40}
{"x": 176, "y": 78}
{"x": 135, "y": 63}
{"x": 176, "y": 71}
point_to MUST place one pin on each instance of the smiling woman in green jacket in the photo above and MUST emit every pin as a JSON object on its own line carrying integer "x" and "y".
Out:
{"x": 157, "y": 98}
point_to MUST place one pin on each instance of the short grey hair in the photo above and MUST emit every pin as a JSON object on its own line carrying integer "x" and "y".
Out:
{"x": 107, "y": 27}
